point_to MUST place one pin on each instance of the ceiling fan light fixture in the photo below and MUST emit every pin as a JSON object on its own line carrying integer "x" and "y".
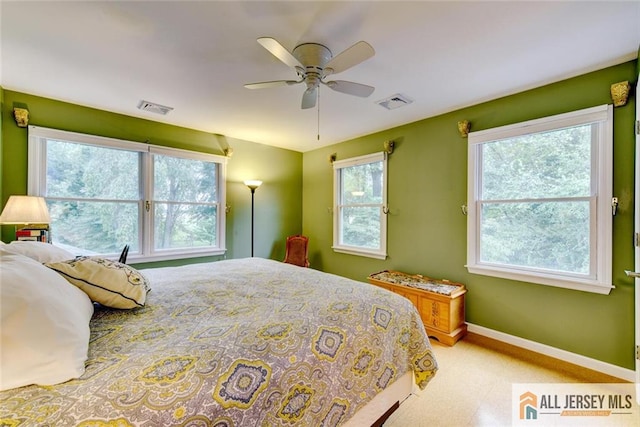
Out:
{"x": 395, "y": 101}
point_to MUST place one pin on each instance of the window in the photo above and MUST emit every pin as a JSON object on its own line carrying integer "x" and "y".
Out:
{"x": 104, "y": 193}
{"x": 540, "y": 195}
{"x": 360, "y": 200}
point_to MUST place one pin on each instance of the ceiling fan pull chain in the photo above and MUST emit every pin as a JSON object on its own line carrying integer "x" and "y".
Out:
{"x": 318, "y": 114}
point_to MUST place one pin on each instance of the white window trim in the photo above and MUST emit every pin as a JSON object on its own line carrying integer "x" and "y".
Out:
{"x": 601, "y": 281}
{"x": 37, "y": 182}
{"x": 337, "y": 185}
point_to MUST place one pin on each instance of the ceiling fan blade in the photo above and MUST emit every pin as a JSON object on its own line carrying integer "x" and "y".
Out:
{"x": 279, "y": 51}
{"x": 351, "y": 56}
{"x": 351, "y": 88}
{"x": 309, "y": 98}
{"x": 275, "y": 83}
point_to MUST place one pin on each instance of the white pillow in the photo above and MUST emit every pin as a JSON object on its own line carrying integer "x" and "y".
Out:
{"x": 40, "y": 251}
{"x": 44, "y": 324}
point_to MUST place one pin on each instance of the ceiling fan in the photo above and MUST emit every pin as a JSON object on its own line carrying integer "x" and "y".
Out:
{"x": 313, "y": 63}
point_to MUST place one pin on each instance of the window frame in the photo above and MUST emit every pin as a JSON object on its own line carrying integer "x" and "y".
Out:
{"x": 599, "y": 278}
{"x": 37, "y": 166}
{"x": 338, "y": 166}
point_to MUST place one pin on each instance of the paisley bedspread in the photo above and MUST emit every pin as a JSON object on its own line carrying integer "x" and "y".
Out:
{"x": 248, "y": 342}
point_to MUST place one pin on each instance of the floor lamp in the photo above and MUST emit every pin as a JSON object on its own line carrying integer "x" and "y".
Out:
{"x": 252, "y": 184}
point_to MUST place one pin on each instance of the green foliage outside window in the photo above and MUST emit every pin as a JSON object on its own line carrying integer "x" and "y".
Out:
{"x": 96, "y": 202}
{"x": 185, "y": 196}
{"x": 93, "y": 205}
{"x": 362, "y": 203}
{"x": 535, "y": 200}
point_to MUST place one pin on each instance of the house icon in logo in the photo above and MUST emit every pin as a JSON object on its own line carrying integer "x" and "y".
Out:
{"x": 528, "y": 406}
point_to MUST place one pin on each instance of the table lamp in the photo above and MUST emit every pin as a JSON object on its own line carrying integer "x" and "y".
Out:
{"x": 32, "y": 212}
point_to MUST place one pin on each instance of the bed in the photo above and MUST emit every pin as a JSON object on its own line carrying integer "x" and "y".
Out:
{"x": 244, "y": 342}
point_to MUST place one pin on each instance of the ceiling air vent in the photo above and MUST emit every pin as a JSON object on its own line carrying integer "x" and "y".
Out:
{"x": 154, "y": 108}
{"x": 394, "y": 101}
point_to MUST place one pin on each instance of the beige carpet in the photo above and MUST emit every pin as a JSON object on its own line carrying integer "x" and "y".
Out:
{"x": 473, "y": 384}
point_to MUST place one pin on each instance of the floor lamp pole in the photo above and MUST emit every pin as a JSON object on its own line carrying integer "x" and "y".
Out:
{"x": 252, "y": 184}
{"x": 253, "y": 192}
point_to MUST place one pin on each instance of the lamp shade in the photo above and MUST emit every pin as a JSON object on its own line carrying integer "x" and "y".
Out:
{"x": 25, "y": 210}
{"x": 253, "y": 183}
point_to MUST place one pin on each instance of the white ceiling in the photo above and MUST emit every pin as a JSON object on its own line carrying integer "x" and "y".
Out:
{"x": 196, "y": 56}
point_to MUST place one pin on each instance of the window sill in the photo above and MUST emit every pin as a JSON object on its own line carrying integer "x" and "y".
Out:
{"x": 359, "y": 252}
{"x": 566, "y": 282}
{"x": 133, "y": 259}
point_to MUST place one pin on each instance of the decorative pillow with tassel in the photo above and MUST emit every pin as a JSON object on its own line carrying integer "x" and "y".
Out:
{"x": 110, "y": 283}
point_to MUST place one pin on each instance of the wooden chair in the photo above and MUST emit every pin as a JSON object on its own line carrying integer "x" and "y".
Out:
{"x": 296, "y": 251}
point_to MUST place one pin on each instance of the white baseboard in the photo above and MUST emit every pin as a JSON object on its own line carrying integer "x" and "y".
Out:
{"x": 567, "y": 356}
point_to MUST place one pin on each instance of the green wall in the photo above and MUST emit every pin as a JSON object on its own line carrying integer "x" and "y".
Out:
{"x": 278, "y": 205}
{"x": 427, "y": 230}
{"x": 427, "y": 186}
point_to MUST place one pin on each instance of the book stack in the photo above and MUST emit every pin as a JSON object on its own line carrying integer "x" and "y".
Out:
{"x": 34, "y": 234}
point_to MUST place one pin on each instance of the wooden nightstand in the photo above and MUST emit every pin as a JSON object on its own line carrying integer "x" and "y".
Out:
{"x": 439, "y": 302}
